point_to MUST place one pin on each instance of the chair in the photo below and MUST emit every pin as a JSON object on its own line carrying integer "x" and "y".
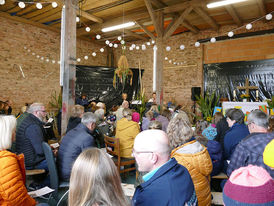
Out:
{"x": 54, "y": 180}
{"x": 113, "y": 148}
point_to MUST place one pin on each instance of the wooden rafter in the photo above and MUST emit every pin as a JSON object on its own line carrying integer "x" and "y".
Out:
{"x": 190, "y": 27}
{"x": 176, "y": 7}
{"x": 177, "y": 23}
{"x": 206, "y": 17}
{"x": 159, "y": 4}
{"x": 261, "y": 7}
{"x": 37, "y": 12}
{"x": 90, "y": 16}
{"x": 130, "y": 33}
{"x": 151, "y": 35}
{"x": 152, "y": 16}
{"x": 232, "y": 12}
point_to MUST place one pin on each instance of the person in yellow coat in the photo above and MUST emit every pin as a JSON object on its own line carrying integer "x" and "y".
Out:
{"x": 12, "y": 170}
{"x": 192, "y": 155}
{"x": 126, "y": 131}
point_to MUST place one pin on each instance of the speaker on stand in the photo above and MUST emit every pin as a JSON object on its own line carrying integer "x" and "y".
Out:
{"x": 195, "y": 91}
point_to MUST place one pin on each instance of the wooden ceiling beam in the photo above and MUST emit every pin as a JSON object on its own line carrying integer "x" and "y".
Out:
{"x": 90, "y": 16}
{"x": 261, "y": 7}
{"x": 153, "y": 16}
{"x": 232, "y": 12}
{"x": 206, "y": 17}
{"x": 190, "y": 27}
{"x": 151, "y": 35}
{"x": 159, "y": 4}
{"x": 130, "y": 33}
{"x": 176, "y": 7}
{"x": 177, "y": 22}
{"x": 37, "y": 12}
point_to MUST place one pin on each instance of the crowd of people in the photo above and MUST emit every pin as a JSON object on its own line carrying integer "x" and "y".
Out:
{"x": 175, "y": 156}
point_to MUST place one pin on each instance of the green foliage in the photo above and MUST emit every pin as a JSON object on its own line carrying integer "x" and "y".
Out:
{"x": 141, "y": 107}
{"x": 270, "y": 103}
{"x": 56, "y": 101}
{"x": 207, "y": 105}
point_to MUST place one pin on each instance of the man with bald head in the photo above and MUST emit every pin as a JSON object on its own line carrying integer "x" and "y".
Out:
{"x": 167, "y": 182}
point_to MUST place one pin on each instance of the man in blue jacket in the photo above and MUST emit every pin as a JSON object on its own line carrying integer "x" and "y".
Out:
{"x": 167, "y": 182}
{"x": 74, "y": 142}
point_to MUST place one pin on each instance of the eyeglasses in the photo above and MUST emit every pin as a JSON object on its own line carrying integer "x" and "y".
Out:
{"x": 134, "y": 152}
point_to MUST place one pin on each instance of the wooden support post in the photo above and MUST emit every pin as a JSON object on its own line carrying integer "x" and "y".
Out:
{"x": 68, "y": 61}
{"x": 159, "y": 69}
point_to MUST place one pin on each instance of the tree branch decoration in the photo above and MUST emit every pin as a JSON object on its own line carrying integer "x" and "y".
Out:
{"x": 122, "y": 71}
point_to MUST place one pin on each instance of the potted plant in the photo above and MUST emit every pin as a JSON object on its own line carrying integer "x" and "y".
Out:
{"x": 270, "y": 103}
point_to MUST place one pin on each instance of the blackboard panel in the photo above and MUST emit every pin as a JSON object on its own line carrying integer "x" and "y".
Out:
{"x": 223, "y": 78}
{"x": 97, "y": 83}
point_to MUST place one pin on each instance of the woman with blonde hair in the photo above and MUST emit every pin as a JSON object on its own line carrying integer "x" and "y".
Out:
{"x": 76, "y": 116}
{"x": 95, "y": 181}
{"x": 192, "y": 155}
{"x": 12, "y": 168}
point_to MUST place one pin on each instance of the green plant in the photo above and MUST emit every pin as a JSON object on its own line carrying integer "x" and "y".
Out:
{"x": 56, "y": 101}
{"x": 141, "y": 107}
{"x": 207, "y": 104}
{"x": 270, "y": 103}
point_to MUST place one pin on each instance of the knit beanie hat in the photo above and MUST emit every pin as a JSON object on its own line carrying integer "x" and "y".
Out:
{"x": 136, "y": 117}
{"x": 251, "y": 185}
{"x": 210, "y": 133}
{"x": 269, "y": 154}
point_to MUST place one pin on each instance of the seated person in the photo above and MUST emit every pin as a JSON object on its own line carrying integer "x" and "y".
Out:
{"x": 119, "y": 112}
{"x": 95, "y": 181}
{"x": 164, "y": 119}
{"x": 12, "y": 168}
{"x": 146, "y": 120}
{"x": 167, "y": 182}
{"x": 211, "y": 131}
{"x": 82, "y": 101}
{"x": 126, "y": 131}
{"x": 102, "y": 128}
{"x": 75, "y": 118}
{"x": 155, "y": 125}
{"x": 74, "y": 142}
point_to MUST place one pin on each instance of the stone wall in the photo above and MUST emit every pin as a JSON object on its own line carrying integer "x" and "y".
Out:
{"x": 41, "y": 77}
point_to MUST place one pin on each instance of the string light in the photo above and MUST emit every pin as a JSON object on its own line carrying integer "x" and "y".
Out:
{"x": 115, "y": 45}
{"x": 182, "y": 47}
{"x": 107, "y": 41}
{"x": 168, "y": 48}
{"x": 21, "y": 4}
{"x": 54, "y": 4}
{"x": 102, "y": 50}
{"x": 2, "y": 2}
{"x": 230, "y": 34}
{"x": 39, "y": 6}
{"x": 137, "y": 47}
{"x": 94, "y": 54}
{"x": 166, "y": 58}
{"x": 110, "y": 44}
{"x": 77, "y": 19}
{"x": 98, "y": 36}
{"x": 119, "y": 38}
{"x": 213, "y": 40}
{"x": 78, "y": 60}
{"x": 130, "y": 48}
{"x": 268, "y": 17}
{"x": 87, "y": 29}
{"x": 133, "y": 46}
{"x": 248, "y": 26}
{"x": 86, "y": 57}
{"x": 197, "y": 44}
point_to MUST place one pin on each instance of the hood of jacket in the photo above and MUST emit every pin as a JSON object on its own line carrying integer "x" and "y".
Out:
{"x": 124, "y": 124}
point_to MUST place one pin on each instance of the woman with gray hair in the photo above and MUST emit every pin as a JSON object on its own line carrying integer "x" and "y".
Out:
{"x": 191, "y": 154}
{"x": 126, "y": 131}
{"x": 76, "y": 115}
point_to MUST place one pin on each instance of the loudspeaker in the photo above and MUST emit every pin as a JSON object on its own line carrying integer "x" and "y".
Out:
{"x": 195, "y": 91}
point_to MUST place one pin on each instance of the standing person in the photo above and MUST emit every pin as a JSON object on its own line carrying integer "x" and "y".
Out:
{"x": 83, "y": 100}
{"x": 126, "y": 131}
{"x": 95, "y": 181}
{"x": 250, "y": 149}
{"x": 153, "y": 98}
{"x": 192, "y": 155}
{"x": 167, "y": 183}
{"x": 12, "y": 169}
{"x": 30, "y": 135}
{"x": 74, "y": 142}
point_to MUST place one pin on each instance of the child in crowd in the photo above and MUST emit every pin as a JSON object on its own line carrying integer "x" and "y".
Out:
{"x": 200, "y": 126}
{"x": 211, "y": 132}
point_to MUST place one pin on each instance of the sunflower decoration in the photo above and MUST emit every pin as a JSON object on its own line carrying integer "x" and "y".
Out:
{"x": 123, "y": 71}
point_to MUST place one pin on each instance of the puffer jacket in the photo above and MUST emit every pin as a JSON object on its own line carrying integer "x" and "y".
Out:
{"x": 196, "y": 159}
{"x": 126, "y": 131}
{"x": 12, "y": 181}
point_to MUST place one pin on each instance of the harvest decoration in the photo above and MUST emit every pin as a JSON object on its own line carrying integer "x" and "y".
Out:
{"x": 245, "y": 96}
{"x": 122, "y": 71}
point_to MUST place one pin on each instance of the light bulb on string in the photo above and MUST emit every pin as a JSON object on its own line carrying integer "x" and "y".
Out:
{"x": 148, "y": 43}
{"x": 143, "y": 47}
{"x": 54, "y": 4}
{"x": 78, "y": 60}
{"x": 47, "y": 60}
{"x": 130, "y": 48}
{"x": 133, "y": 46}
{"x": 87, "y": 29}
{"x": 213, "y": 40}
{"x": 33, "y": 53}
{"x": 42, "y": 58}
{"x": 2, "y": 2}
{"x": 268, "y": 17}
{"x": 119, "y": 38}
{"x": 37, "y": 56}
{"x": 98, "y": 36}
{"x": 59, "y": 62}
{"x": 21, "y": 4}
{"x": 115, "y": 45}
{"x": 102, "y": 50}
{"x": 53, "y": 61}
{"x": 122, "y": 42}
{"x": 182, "y": 47}
{"x": 230, "y": 34}
{"x": 94, "y": 54}
{"x": 166, "y": 58}
{"x": 39, "y": 6}
{"x": 137, "y": 47}
{"x": 197, "y": 44}
{"x": 86, "y": 57}
{"x": 174, "y": 63}
{"x": 25, "y": 47}
{"x": 107, "y": 41}
{"x": 77, "y": 19}
{"x": 248, "y": 26}
{"x": 110, "y": 44}
{"x": 153, "y": 42}
{"x": 28, "y": 50}
{"x": 169, "y": 61}
{"x": 168, "y": 48}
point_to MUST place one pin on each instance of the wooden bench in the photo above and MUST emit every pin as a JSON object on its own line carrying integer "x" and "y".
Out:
{"x": 220, "y": 176}
{"x": 35, "y": 172}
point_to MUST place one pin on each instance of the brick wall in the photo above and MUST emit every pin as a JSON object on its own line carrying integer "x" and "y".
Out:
{"x": 41, "y": 78}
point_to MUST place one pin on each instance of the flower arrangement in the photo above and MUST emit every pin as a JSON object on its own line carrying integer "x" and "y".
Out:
{"x": 245, "y": 96}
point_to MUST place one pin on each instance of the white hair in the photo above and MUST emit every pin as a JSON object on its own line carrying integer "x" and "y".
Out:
{"x": 7, "y": 127}
{"x": 35, "y": 107}
{"x": 99, "y": 113}
{"x": 88, "y": 117}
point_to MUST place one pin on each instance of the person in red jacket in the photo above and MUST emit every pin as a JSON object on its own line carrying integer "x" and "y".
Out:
{"x": 12, "y": 170}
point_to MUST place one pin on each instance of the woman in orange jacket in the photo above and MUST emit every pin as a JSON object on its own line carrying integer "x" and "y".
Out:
{"x": 12, "y": 170}
{"x": 192, "y": 155}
